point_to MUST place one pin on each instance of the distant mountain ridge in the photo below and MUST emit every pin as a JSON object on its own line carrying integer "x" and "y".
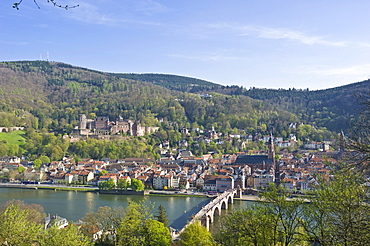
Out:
{"x": 173, "y": 82}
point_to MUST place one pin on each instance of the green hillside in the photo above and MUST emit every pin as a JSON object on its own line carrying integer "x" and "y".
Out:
{"x": 173, "y": 82}
{"x": 334, "y": 108}
{"x": 10, "y": 143}
{"x": 57, "y": 93}
{"x": 48, "y": 97}
{"x": 14, "y": 137}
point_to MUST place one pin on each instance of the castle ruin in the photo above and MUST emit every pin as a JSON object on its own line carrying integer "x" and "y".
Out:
{"x": 102, "y": 126}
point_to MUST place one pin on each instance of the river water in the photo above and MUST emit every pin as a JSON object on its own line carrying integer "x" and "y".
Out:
{"x": 75, "y": 205}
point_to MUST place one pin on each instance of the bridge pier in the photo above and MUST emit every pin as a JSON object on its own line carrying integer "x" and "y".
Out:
{"x": 239, "y": 193}
{"x": 206, "y": 222}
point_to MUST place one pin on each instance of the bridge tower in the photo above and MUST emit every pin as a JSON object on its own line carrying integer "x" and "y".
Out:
{"x": 239, "y": 192}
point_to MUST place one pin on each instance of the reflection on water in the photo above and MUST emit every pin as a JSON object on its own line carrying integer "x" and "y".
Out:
{"x": 75, "y": 205}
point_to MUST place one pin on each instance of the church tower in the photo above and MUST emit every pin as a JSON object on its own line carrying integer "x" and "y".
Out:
{"x": 271, "y": 150}
{"x": 275, "y": 164}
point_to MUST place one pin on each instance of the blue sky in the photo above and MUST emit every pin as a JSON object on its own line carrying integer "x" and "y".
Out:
{"x": 266, "y": 43}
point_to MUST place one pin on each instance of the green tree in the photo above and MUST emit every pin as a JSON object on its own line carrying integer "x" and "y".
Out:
{"x": 130, "y": 231}
{"x": 137, "y": 185}
{"x": 287, "y": 215}
{"x": 102, "y": 185}
{"x": 16, "y": 229}
{"x": 155, "y": 233}
{"x": 44, "y": 159}
{"x": 110, "y": 184}
{"x": 105, "y": 219}
{"x": 161, "y": 216}
{"x": 21, "y": 169}
{"x": 103, "y": 172}
{"x": 35, "y": 211}
{"x": 69, "y": 236}
{"x": 338, "y": 214}
{"x": 196, "y": 234}
{"x": 252, "y": 226}
{"x": 122, "y": 184}
{"x": 37, "y": 164}
{"x": 273, "y": 221}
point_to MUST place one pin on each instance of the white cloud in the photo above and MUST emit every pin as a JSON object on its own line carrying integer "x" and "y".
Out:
{"x": 206, "y": 57}
{"x": 89, "y": 13}
{"x": 270, "y": 33}
{"x": 357, "y": 70}
{"x": 219, "y": 55}
{"x": 149, "y": 7}
{"x": 276, "y": 33}
{"x": 14, "y": 43}
{"x": 94, "y": 13}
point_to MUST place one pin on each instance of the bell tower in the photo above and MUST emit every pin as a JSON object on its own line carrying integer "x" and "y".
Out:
{"x": 275, "y": 163}
{"x": 271, "y": 150}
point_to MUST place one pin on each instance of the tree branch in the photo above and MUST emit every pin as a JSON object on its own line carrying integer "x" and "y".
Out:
{"x": 17, "y": 4}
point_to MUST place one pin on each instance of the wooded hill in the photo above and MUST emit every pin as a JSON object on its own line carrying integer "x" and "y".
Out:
{"x": 52, "y": 95}
{"x": 334, "y": 108}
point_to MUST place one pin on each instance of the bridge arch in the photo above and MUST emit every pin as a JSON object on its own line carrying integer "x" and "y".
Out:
{"x": 230, "y": 199}
{"x": 224, "y": 204}
{"x": 204, "y": 222}
{"x": 8, "y": 129}
{"x": 207, "y": 213}
{"x": 216, "y": 211}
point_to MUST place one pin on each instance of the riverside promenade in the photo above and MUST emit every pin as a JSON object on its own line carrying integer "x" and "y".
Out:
{"x": 252, "y": 198}
{"x": 48, "y": 186}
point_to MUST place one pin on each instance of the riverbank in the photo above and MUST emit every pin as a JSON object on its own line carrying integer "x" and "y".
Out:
{"x": 96, "y": 190}
{"x": 252, "y": 198}
{"x": 49, "y": 187}
{"x": 176, "y": 195}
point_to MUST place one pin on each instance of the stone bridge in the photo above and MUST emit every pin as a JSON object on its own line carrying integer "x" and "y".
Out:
{"x": 9, "y": 129}
{"x": 207, "y": 213}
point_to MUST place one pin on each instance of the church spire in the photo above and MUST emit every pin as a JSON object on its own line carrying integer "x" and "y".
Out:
{"x": 271, "y": 149}
{"x": 276, "y": 164}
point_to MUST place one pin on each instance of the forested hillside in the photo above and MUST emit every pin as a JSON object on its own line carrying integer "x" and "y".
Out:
{"x": 334, "y": 108}
{"x": 173, "y": 82}
{"x": 57, "y": 93}
{"x": 48, "y": 97}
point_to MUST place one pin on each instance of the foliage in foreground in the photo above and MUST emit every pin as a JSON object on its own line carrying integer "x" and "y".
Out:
{"x": 196, "y": 234}
{"x": 133, "y": 225}
{"x": 16, "y": 228}
{"x": 337, "y": 215}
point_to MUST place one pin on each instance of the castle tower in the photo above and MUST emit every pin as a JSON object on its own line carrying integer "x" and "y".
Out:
{"x": 83, "y": 122}
{"x": 342, "y": 143}
{"x": 136, "y": 128}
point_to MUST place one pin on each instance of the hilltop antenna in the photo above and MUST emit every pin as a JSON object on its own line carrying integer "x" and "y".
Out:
{"x": 47, "y": 56}
{"x": 40, "y": 57}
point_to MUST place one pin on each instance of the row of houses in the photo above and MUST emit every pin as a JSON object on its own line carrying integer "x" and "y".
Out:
{"x": 244, "y": 170}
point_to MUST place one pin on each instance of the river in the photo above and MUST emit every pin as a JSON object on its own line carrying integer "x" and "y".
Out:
{"x": 75, "y": 205}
